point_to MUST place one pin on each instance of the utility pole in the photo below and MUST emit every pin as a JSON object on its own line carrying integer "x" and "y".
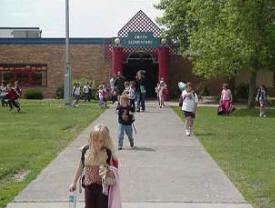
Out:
{"x": 67, "y": 70}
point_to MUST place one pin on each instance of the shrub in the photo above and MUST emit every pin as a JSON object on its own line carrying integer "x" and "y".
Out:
{"x": 60, "y": 92}
{"x": 202, "y": 90}
{"x": 94, "y": 87}
{"x": 174, "y": 91}
{"x": 242, "y": 91}
{"x": 33, "y": 94}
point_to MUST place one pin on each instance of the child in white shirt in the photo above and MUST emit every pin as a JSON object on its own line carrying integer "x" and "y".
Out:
{"x": 189, "y": 107}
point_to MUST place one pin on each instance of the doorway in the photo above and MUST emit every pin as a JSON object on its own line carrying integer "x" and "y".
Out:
{"x": 141, "y": 60}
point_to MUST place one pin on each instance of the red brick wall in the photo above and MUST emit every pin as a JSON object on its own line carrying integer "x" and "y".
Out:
{"x": 87, "y": 61}
{"x": 180, "y": 69}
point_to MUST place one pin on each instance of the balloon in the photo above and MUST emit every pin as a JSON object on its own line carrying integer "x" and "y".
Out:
{"x": 181, "y": 86}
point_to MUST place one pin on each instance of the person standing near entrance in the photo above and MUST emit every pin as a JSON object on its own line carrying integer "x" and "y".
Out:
{"x": 119, "y": 85}
{"x": 160, "y": 90}
{"x": 140, "y": 90}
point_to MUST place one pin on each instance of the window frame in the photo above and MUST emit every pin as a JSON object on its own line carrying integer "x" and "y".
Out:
{"x": 30, "y": 69}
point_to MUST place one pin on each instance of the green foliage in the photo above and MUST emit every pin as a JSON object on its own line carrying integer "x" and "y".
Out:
{"x": 33, "y": 94}
{"x": 202, "y": 89}
{"x": 174, "y": 91}
{"x": 94, "y": 89}
{"x": 223, "y": 37}
{"x": 60, "y": 92}
{"x": 242, "y": 91}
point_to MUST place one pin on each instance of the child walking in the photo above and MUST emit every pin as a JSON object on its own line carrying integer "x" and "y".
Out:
{"x": 130, "y": 92}
{"x": 125, "y": 121}
{"x": 101, "y": 96}
{"x": 97, "y": 164}
{"x": 160, "y": 90}
{"x": 261, "y": 98}
{"x": 189, "y": 107}
{"x": 226, "y": 99}
{"x": 76, "y": 94}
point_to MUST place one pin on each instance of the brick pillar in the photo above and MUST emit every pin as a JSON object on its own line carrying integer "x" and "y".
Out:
{"x": 117, "y": 59}
{"x": 163, "y": 63}
{"x": 163, "y": 54}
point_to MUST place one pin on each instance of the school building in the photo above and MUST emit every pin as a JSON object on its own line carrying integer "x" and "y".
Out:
{"x": 39, "y": 62}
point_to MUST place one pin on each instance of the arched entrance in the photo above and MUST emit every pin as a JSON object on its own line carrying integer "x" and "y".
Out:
{"x": 141, "y": 60}
{"x": 137, "y": 47}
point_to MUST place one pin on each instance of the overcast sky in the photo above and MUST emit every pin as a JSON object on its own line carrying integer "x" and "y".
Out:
{"x": 88, "y": 18}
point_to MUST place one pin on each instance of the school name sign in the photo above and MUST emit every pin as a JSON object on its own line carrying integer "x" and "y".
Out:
{"x": 140, "y": 40}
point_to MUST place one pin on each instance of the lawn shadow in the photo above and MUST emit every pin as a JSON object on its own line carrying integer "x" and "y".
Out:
{"x": 20, "y": 112}
{"x": 204, "y": 134}
{"x": 270, "y": 113}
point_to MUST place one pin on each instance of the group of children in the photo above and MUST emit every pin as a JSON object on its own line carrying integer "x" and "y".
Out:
{"x": 10, "y": 95}
{"x": 76, "y": 93}
{"x": 99, "y": 163}
{"x": 226, "y": 99}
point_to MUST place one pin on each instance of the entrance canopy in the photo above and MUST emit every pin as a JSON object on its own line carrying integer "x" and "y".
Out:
{"x": 139, "y": 46}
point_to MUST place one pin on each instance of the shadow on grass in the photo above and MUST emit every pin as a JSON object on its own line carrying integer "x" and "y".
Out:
{"x": 204, "y": 134}
{"x": 270, "y": 113}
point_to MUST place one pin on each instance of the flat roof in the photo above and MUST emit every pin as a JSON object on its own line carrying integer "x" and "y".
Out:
{"x": 60, "y": 41}
{"x": 20, "y": 28}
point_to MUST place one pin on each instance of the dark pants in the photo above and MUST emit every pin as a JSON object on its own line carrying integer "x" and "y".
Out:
{"x": 94, "y": 197}
{"x": 14, "y": 103}
{"x": 87, "y": 97}
{"x": 4, "y": 102}
{"x": 140, "y": 101}
{"x": 132, "y": 104}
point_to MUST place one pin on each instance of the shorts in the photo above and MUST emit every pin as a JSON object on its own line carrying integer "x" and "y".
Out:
{"x": 189, "y": 114}
{"x": 261, "y": 103}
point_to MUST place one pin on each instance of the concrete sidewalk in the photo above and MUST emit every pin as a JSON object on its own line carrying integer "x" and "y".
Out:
{"x": 167, "y": 169}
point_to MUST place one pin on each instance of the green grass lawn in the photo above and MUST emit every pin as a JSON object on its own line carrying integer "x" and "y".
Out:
{"x": 244, "y": 147}
{"x": 29, "y": 140}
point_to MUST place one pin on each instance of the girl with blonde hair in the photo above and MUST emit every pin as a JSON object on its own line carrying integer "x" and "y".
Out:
{"x": 96, "y": 159}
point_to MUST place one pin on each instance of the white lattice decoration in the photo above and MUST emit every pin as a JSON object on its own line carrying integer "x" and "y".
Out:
{"x": 140, "y": 23}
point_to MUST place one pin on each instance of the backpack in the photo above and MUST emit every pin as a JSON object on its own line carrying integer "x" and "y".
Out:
{"x": 142, "y": 89}
{"x": 84, "y": 150}
{"x": 180, "y": 101}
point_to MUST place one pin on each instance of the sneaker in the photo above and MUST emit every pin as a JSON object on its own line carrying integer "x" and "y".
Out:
{"x": 187, "y": 132}
{"x": 132, "y": 143}
{"x": 120, "y": 148}
{"x": 18, "y": 110}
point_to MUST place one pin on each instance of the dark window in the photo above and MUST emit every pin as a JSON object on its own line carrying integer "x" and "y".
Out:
{"x": 25, "y": 74}
{"x": 23, "y": 78}
{"x": 37, "y": 78}
{"x": 7, "y": 76}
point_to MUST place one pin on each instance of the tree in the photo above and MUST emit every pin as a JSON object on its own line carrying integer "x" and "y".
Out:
{"x": 228, "y": 35}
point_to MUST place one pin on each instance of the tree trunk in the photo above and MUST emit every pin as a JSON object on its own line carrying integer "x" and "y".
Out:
{"x": 252, "y": 89}
{"x": 232, "y": 87}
